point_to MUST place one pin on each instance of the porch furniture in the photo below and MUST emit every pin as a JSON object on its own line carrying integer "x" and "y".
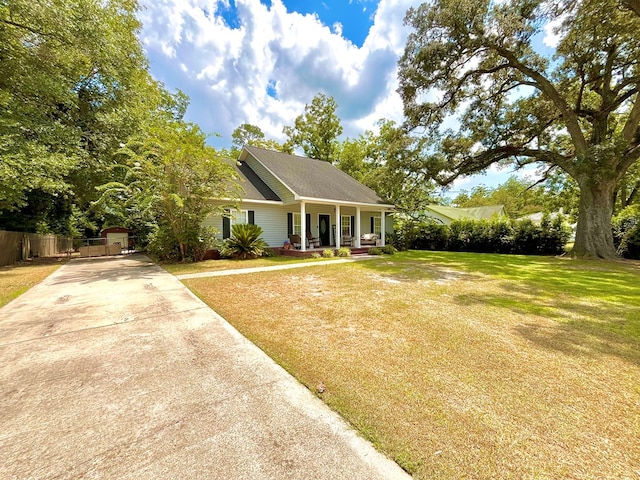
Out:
{"x": 296, "y": 241}
{"x": 312, "y": 242}
{"x": 347, "y": 241}
{"x": 368, "y": 239}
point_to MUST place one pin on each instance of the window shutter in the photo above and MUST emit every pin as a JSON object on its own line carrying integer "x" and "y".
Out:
{"x": 290, "y": 223}
{"x": 372, "y": 226}
{"x": 353, "y": 225}
{"x": 251, "y": 217}
{"x": 308, "y": 221}
{"x": 226, "y": 227}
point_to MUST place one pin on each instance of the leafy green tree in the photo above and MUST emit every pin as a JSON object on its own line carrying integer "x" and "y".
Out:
{"x": 389, "y": 162}
{"x": 578, "y": 111}
{"x": 521, "y": 197}
{"x": 172, "y": 179}
{"x": 317, "y": 130}
{"x": 247, "y": 134}
{"x": 72, "y": 84}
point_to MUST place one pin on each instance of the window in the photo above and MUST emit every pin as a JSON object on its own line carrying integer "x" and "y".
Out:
{"x": 377, "y": 226}
{"x": 345, "y": 225}
{"x": 297, "y": 224}
{"x": 240, "y": 216}
{"x": 232, "y": 217}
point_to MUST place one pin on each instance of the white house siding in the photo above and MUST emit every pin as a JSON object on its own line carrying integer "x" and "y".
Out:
{"x": 278, "y": 188}
{"x": 271, "y": 218}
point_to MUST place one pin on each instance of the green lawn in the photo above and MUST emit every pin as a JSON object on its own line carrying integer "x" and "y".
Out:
{"x": 462, "y": 365}
{"x": 20, "y": 277}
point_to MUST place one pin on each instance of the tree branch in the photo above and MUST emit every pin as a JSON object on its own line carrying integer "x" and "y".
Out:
{"x": 33, "y": 30}
{"x": 545, "y": 86}
{"x": 630, "y": 129}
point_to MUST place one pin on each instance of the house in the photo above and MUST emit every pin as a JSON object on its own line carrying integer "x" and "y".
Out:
{"x": 446, "y": 215}
{"x": 293, "y": 195}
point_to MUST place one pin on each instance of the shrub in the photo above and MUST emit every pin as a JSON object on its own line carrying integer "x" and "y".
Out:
{"x": 398, "y": 240}
{"x": 490, "y": 236}
{"x": 343, "y": 252}
{"x": 245, "y": 242}
{"x": 163, "y": 244}
{"x": 316, "y": 255}
{"x": 375, "y": 251}
{"x": 389, "y": 249}
{"x": 428, "y": 235}
{"x": 626, "y": 232}
{"x": 206, "y": 241}
{"x": 328, "y": 253}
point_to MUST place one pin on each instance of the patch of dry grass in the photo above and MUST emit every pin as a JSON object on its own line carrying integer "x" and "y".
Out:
{"x": 20, "y": 277}
{"x": 461, "y": 366}
{"x": 227, "y": 264}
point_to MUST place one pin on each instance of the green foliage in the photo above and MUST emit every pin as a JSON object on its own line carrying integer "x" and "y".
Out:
{"x": 163, "y": 245}
{"x": 171, "y": 177}
{"x": 389, "y": 249}
{"x": 248, "y": 134}
{"x": 375, "y": 251}
{"x": 626, "y": 232}
{"x": 317, "y": 130}
{"x": 574, "y": 112}
{"x": 343, "y": 252}
{"x": 489, "y": 236}
{"x": 73, "y": 85}
{"x": 521, "y": 198}
{"x": 391, "y": 163}
{"x": 245, "y": 242}
{"x": 328, "y": 253}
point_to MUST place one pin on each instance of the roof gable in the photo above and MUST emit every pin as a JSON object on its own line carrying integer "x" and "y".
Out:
{"x": 253, "y": 186}
{"x": 313, "y": 179}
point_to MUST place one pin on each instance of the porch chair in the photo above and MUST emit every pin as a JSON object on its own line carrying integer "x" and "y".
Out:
{"x": 347, "y": 241}
{"x": 296, "y": 241}
{"x": 312, "y": 242}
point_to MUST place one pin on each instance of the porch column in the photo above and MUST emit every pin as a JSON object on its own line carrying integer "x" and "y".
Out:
{"x": 303, "y": 227}
{"x": 357, "y": 231}
{"x": 382, "y": 227}
{"x": 338, "y": 227}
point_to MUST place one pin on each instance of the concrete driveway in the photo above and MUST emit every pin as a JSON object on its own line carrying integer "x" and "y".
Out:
{"x": 111, "y": 368}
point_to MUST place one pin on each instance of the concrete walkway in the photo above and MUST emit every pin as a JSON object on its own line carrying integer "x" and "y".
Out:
{"x": 286, "y": 266}
{"x": 111, "y": 368}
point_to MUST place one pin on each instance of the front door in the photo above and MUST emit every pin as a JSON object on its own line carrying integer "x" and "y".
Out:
{"x": 324, "y": 228}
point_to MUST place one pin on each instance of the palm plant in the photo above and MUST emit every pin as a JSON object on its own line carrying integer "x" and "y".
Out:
{"x": 245, "y": 242}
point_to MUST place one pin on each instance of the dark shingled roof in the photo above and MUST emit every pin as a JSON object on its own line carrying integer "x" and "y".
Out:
{"x": 312, "y": 178}
{"x": 254, "y": 187}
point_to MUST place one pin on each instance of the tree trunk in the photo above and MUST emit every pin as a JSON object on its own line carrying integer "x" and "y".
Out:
{"x": 594, "y": 238}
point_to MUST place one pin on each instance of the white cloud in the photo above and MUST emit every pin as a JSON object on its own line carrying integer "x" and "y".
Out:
{"x": 551, "y": 36}
{"x": 228, "y": 72}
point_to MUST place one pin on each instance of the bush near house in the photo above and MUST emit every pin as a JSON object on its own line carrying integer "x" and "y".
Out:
{"x": 626, "y": 232}
{"x": 486, "y": 236}
{"x": 164, "y": 245}
{"x": 245, "y": 242}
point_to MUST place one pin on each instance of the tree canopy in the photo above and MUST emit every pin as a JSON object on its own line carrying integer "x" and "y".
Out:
{"x": 577, "y": 111}
{"x": 317, "y": 129}
{"x": 75, "y": 94}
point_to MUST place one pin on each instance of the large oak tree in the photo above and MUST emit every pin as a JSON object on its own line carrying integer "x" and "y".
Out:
{"x": 577, "y": 111}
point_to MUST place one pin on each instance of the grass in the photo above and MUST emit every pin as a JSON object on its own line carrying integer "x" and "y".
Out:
{"x": 20, "y": 277}
{"x": 227, "y": 264}
{"x": 462, "y": 365}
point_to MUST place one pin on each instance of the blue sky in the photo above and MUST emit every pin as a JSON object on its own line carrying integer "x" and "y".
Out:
{"x": 262, "y": 61}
